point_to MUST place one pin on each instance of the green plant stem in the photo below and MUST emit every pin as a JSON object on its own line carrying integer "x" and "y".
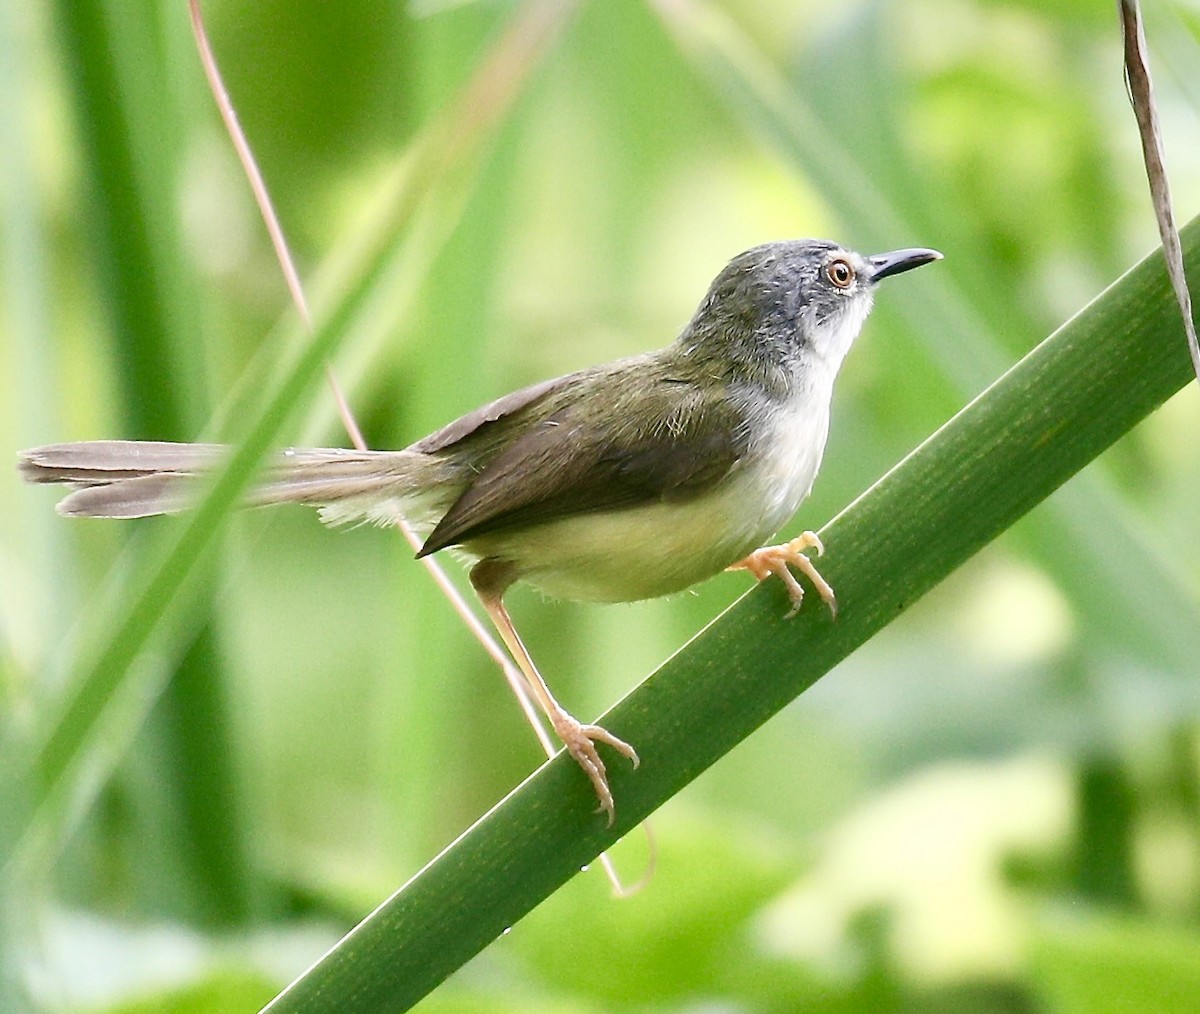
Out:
{"x": 1035, "y": 427}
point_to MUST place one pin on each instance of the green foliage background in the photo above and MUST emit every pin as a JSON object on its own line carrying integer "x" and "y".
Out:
{"x": 992, "y": 806}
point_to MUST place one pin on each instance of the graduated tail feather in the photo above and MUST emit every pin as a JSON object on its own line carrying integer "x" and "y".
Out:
{"x": 137, "y": 479}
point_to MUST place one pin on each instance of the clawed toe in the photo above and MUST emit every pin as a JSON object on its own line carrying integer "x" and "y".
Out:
{"x": 598, "y": 733}
{"x": 778, "y": 561}
{"x": 580, "y": 741}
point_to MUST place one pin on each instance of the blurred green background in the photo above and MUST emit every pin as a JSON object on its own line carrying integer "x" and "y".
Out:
{"x": 993, "y": 806}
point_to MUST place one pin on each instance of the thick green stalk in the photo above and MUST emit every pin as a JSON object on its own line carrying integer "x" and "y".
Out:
{"x": 1035, "y": 427}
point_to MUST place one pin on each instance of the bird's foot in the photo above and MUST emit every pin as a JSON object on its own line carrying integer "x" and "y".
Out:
{"x": 778, "y": 561}
{"x": 580, "y": 741}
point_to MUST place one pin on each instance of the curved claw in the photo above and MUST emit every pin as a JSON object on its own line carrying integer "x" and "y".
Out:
{"x": 778, "y": 561}
{"x": 580, "y": 741}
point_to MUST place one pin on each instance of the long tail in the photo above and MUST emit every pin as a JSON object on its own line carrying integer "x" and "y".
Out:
{"x": 137, "y": 479}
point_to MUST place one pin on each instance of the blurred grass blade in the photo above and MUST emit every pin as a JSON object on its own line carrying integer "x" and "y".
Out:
{"x": 957, "y": 313}
{"x": 1141, "y": 96}
{"x": 758, "y": 96}
{"x": 447, "y": 156}
{"x": 38, "y": 563}
{"x": 254, "y": 177}
{"x": 1035, "y": 427}
{"x": 128, "y": 128}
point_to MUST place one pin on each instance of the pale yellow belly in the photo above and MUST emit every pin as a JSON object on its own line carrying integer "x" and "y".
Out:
{"x": 640, "y": 553}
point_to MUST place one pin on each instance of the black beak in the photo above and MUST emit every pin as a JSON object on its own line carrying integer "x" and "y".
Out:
{"x": 897, "y": 261}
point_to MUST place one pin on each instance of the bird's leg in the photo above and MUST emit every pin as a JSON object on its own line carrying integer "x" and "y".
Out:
{"x": 779, "y": 560}
{"x": 490, "y": 579}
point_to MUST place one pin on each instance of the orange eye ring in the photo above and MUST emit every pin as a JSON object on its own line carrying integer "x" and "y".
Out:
{"x": 840, "y": 273}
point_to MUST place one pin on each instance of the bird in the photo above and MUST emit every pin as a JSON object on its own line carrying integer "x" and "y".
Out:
{"x": 625, "y": 481}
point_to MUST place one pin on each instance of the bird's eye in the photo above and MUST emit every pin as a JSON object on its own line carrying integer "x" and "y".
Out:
{"x": 840, "y": 273}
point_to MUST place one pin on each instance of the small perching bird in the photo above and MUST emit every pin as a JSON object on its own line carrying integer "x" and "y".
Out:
{"x": 620, "y": 482}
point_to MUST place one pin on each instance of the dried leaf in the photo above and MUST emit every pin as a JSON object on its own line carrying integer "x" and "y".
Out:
{"x": 1141, "y": 96}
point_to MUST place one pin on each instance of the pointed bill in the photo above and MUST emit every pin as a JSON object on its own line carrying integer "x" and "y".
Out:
{"x": 897, "y": 261}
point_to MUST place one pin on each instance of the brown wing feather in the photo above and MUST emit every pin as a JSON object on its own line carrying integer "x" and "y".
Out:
{"x": 575, "y": 462}
{"x": 474, "y": 422}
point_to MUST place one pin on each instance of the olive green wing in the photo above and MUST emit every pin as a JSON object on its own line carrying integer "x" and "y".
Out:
{"x": 588, "y": 457}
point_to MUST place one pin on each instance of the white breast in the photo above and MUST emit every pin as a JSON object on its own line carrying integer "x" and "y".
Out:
{"x": 788, "y": 460}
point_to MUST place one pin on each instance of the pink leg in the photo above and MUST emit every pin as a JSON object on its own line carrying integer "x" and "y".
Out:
{"x": 490, "y": 582}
